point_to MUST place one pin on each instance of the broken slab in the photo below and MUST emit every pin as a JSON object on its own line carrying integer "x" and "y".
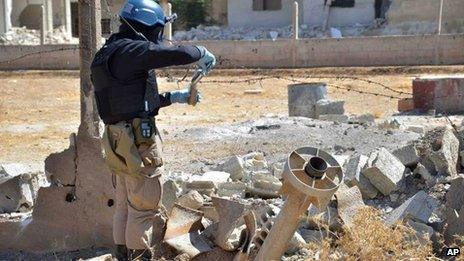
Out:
{"x": 384, "y": 171}
{"x": 408, "y": 155}
{"x": 419, "y": 208}
{"x": 192, "y": 200}
{"x": 441, "y": 147}
{"x": 18, "y": 188}
{"x": 454, "y": 212}
{"x": 325, "y": 106}
{"x": 232, "y": 189}
{"x": 234, "y": 166}
{"x": 169, "y": 196}
{"x": 350, "y": 202}
{"x": 354, "y": 176}
{"x": 423, "y": 231}
{"x": 230, "y": 214}
{"x": 264, "y": 186}
{"x": 255, "y": 162}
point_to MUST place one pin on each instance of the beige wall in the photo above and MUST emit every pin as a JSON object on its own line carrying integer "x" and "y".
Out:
{"x": 367, "y": 51}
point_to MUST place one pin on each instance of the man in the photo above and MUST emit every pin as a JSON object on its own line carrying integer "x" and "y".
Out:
{"x": 128, "y": 101}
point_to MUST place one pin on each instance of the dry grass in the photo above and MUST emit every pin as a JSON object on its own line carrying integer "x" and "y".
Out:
{"x": 371, "y": 239}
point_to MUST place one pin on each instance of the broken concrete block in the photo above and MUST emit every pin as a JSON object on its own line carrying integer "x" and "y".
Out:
{"x": 418, "y": 208}
{"x": 208, "y": 182}
{"x": 324, "y": 107}
{"x": 423, "y": 232}
{"x": 302, "y": 98}
{"x": 278, "y": 169}
{"x": 169, "y": 196}
{"x": 232, "y": 189}
{"x": 61, "y": 168}
{"x": 233, "y": 165}
{"x": 384, "y": 171}
{"x": 339, "y": 118}
{"x": 255, "y": 161}
{"x": 349, "y": 204}
{"x": 415, "y": 128}
{"x": 326, "y": 217}
{"x": 441, "y": 147}
{"x": 264, "y": 186}
{"x": 18, "y": 188}
{"x": 454, "y": 212}
{"x": 354, "y": 176}
{"x": 192, "y": 200}
{"x": 408, "y": 155}
{"x": 341, "y": 159}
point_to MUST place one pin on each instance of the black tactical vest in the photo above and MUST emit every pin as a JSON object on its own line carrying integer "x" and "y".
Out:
{"x": 122, "y": 100}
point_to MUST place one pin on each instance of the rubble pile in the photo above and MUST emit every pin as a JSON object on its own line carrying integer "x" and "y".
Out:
{"x": 202, "y": 33}
{"x": 24, "y": 36}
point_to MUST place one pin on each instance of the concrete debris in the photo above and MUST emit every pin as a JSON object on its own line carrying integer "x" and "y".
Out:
{"x": 422, "y": 171}
{"x": 192, "y": 200}
{"x": 233, "y": 165}
{"x": 342, "y": 160}
{"x": 169, "y": 196}
{"x": 18, "y": 188}
{"x": 325, "y": 106}
{"x": 408, "y": 155}
{"x": 278, "y": 169}
{"x": 107, "y": 257}
{"x": 255, "y": 161}
{"x": 454, "y": 212}
{"x": 313, "y": 236}
{"x": 350, "y": 202}
{"x": 461, "y": 158}
{"x": 264, "y": 186}
{"x": 318, "y": 219}
{"x": 362, "y": 119}
{"x": 423, "y": 232}
{"x": 207, "y": 183}
{"x": 230, "y": 214}
{"x": 24, "y": 36}
{"x": 296, "y": 243}
{"x": 232, "y": 190}
{"x": 355, "y": 177}
{"x": 338, "y": 118}
{"x": 384, "y": 171}
{"x": 441, "y": 147}
{"x": 419, "y": 208}
{"x": 302, "y": 99}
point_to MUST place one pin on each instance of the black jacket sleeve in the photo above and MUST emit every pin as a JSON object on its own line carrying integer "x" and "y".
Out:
{"x": 148, "y": 55}
{"x": 165, "y": 99}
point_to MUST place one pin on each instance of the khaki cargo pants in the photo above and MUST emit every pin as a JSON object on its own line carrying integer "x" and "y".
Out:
{"x": 138, "y": 166}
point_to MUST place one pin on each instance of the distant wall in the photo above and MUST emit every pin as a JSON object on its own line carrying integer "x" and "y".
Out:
{"x": 240, "y": 13}
{"x": 366, "y": 51}
{"x": 409, "y": 13}
{"x": 315, "y": 13}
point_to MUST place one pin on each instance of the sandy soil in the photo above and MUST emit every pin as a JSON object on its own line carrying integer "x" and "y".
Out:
{"x": 38, "y": 110}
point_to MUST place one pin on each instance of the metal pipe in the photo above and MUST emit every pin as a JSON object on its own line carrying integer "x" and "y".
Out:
{"x": 43, "y": 26}
{"x": 295, "y": 21}
{"x": 168, "y": 29}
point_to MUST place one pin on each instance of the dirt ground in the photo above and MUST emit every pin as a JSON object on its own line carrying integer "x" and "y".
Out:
{"x": 39, "y": 110}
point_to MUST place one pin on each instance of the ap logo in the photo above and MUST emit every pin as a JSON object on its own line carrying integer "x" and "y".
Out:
{"x": 452, "y": 252}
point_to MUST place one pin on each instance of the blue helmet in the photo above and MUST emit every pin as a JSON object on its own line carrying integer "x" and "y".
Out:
{"x": 146, "y": 12}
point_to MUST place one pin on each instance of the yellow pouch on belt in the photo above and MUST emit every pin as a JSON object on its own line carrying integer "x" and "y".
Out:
{"x": 125, "y": 155}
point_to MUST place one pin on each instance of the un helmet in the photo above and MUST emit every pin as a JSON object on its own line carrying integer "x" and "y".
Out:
{"x": 145, "y": 12}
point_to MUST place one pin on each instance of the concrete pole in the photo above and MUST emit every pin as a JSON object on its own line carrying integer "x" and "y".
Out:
{"x": 43, "y": 26}
{"x": 90, "y": 41}
{"x": 48, "y": 15}
{"x": 66, "y": 21}
{"x": 440, "y": 17}
{"x": 5, "y": 18}
{"x": 168, "y": 28}
{"x": 296, "y": 28}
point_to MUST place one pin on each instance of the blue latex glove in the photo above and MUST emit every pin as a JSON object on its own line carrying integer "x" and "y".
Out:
{"x": 182, "y": 96}
{"x": 207, "y": 61}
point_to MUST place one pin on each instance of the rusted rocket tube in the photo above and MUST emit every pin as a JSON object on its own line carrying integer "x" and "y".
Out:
{"x": 311, "y": 176}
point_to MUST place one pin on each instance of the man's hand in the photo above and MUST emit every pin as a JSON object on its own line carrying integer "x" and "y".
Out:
{"x": 207, "y": 61}
{"x": 182, "y": 96}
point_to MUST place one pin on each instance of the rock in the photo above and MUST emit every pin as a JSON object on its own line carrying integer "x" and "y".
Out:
{"x": 422, "y": 171}
{"x": 169, "y": 196}
{"x": 354, "y": 176}
{"x": 441, "y": 147}
{"x": 233, "y": 165}
{"x": 341, "y": 159}
{"x": 384, "y": 171}
{"x": 423, "y": 232}
{"x": 317, "y": 218}
{"x": 107, "y": 257}
{"x": 18, "y": 188}
{"x": 208, "y": 182}
{"x": 312, "y": 236}
{"x": 454, "y": 212}
{"x": 362, "y": 119}
{"x": 408, "y": 155}
{"x": 264, "y": 186}
{"x": 329, "y": 107}
{"x": 339, "y": 118}
{"x": 192, "y": 200}
{"x": 296, "y": 243}
{"x": 255, "y": 161}
{"x": 415, "y": 128}
{"x": 232, "y": 189}
{"x": 349, "y": 204}
{"x": 418, "y": 208}
{"x": 278, "y": 169}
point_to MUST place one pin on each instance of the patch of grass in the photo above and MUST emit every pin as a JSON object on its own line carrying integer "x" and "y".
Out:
{"x": 371, "y": 239}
